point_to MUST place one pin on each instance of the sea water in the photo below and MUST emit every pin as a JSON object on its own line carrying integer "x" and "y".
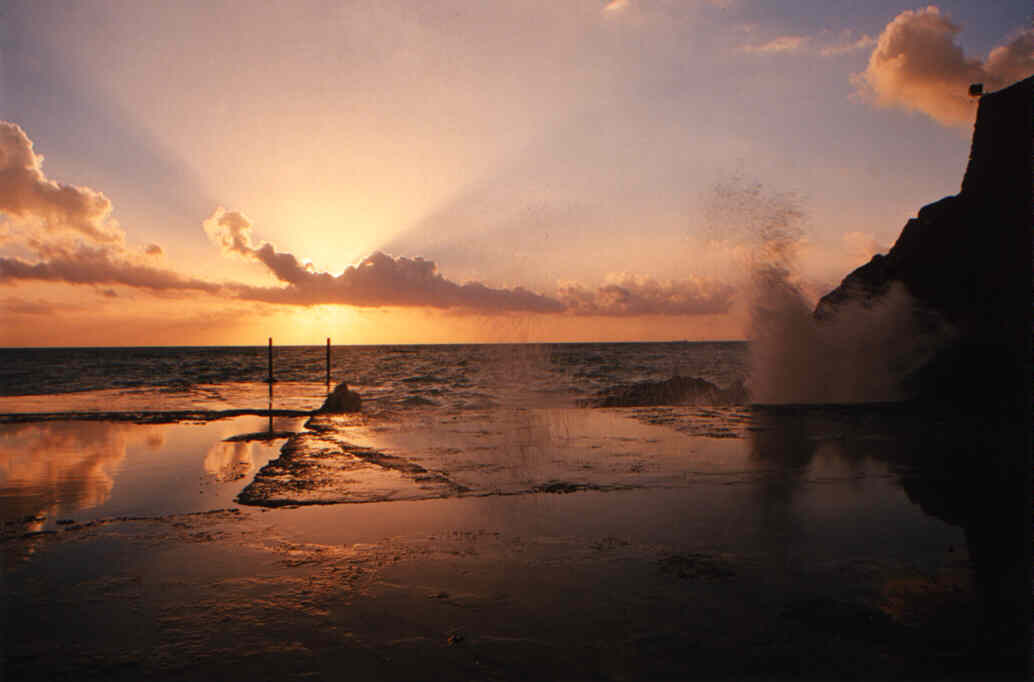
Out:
{"x": 452, "y": 376}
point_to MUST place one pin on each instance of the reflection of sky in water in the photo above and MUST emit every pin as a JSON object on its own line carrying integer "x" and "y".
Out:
{"x": 63, "y": 466}
{"x": 821, "y": 489}
{"x": 85, "y": 470}
{"x": 229, "y": 461}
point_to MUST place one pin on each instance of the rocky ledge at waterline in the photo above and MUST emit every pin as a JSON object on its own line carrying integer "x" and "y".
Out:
{"x": 674, "y": 391}
{"x": 966, "y": 261}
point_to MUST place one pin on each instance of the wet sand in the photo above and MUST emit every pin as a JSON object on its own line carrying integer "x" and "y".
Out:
{"x": 574, "y": 545}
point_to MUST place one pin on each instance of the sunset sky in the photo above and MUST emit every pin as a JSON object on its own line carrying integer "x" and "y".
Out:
{"x": 412, "y": 172}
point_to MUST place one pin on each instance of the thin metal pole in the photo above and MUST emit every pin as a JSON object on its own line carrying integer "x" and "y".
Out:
{"x": 271, "y": 384}
{"x": 328, "y": 362}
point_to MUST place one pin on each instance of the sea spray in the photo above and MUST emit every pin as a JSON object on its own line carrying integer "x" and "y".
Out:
{"x": 862, "y": 351}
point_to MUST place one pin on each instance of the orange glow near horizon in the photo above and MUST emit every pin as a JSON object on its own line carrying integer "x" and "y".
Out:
{"x": 185, "y": 322}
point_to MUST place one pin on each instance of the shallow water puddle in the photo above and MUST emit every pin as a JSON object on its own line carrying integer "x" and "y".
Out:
{"x": 83, "y": 470}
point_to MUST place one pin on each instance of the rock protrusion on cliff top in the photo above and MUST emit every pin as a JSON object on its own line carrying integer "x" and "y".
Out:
{"x": 966, "y": 260}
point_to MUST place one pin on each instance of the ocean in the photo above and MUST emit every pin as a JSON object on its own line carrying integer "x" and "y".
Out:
{"x": 170, "y": 379}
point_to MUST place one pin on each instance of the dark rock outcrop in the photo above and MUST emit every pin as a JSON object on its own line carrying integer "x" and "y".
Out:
{"x": 342, "y": 400}
{"x": 966, "y": 260}
{"x": 673, "y": 391}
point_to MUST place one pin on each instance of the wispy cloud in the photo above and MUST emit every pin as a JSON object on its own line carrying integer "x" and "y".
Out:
{"x": 790, "y": 43}
{"x": 20, "y": 306}
{"x": 847, "y": 45}
{"x": 615, "y": 6}
{"x": 822, "y": 44}
{"x": 918, "y": 66}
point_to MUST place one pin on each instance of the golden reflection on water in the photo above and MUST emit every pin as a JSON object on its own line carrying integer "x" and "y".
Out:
{"x": 229, "y": 461}
{"x": 55, "y": 469}
{"x": 58, "y": 467}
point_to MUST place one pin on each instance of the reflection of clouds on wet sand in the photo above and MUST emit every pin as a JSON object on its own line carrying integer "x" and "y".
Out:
{"x": 229, "y": 461}
{"x": 59, "y": 467}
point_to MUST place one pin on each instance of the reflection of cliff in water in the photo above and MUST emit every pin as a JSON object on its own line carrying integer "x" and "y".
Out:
{"x": 966, "y": 471}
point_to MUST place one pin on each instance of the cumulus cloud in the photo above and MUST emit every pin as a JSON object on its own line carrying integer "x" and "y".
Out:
{"x": 379, "y": 280}
{"x": 918, "y": 66}
{"x": 231, "y": 230}
{"x": 68, "y": 229}
{"x": 26, "y": 193}
{"x": 628, "y": 295}
{"x": 1013, "y": 61}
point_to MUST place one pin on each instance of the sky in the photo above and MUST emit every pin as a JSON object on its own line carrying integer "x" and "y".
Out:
{"x": 215, "y": 173}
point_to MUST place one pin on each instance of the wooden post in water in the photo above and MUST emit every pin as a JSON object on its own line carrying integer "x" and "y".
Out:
{"x": 271, "y": 407}
{"x": 328, "y": 363}
{"x": 271, "y": 384}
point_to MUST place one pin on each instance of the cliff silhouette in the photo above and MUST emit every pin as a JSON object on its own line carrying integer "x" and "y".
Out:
{"x": 966, "y": 261}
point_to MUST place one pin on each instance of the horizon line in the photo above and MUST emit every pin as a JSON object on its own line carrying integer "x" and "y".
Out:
{"x": 371, "y": 345}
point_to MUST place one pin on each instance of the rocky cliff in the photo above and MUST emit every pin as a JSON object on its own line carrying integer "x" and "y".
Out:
{"x": 966, "y": 260}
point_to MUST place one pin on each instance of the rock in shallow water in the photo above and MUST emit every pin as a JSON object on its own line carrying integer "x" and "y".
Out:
{"x": 342, "y": 400}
